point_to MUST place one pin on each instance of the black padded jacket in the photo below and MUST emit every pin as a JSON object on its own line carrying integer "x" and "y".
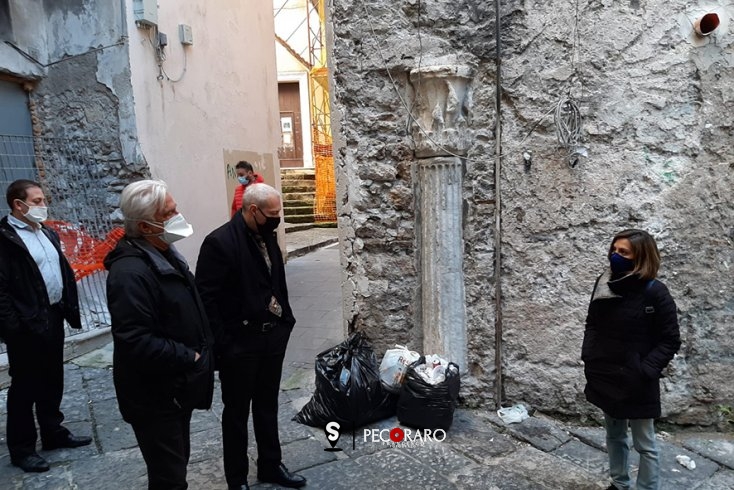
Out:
{"x": 631, "y": 335}
{"x": 24, "y": 306}
{"x": 158, "y": 325}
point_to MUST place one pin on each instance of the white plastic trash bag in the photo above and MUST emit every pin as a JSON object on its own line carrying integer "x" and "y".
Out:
{"x": 514, "y": 414}
{"x": 433, "y": 371}
{"x": 394, "y": 364}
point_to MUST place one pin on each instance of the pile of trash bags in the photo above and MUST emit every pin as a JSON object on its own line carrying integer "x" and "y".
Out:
{"x": 348, "y": 387}
{"x": 352, "y": 390}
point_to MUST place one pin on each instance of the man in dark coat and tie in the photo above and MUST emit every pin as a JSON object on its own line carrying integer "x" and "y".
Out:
{"x": 241, "y": 277}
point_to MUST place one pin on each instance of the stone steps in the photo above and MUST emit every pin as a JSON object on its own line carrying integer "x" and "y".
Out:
{"x": 300, "y": 219}
{"x": 297, "y": 203}
{"x": 301, "y": 196}
{"x": 293, "y": 227}
{"x": 299, "y": 210}
{"x": 290, "y": 186}
{"x": 299, "y": 189}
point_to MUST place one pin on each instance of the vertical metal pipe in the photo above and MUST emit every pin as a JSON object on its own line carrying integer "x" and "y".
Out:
{"x": 498, "y": 214}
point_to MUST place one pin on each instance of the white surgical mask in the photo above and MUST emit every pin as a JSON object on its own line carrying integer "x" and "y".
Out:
{"x": 174, "y": 229}
{"x": 35, "y": 214}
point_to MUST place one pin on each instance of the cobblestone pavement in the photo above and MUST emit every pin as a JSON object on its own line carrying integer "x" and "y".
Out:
{"x": 479, "y": 451}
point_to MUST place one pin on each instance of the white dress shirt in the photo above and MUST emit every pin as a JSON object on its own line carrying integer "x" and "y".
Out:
{"x": 44, "y": 254}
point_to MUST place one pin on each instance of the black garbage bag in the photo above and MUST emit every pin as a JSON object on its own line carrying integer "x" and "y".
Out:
{"x": 426, "y": 406}
{"x": 348, "y": 387}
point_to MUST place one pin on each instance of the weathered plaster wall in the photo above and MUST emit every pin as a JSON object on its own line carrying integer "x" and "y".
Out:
{"x": 74, "y": 100}
{"x": 81, "y": 90}
{"x": 28, "y": 28}
{"x": 102, "y": 82}
{"x": 16, "y": 28}
{"x": 656, "y": 106}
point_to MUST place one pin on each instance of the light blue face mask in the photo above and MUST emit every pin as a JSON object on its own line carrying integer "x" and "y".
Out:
{"x": 243, "y": 180}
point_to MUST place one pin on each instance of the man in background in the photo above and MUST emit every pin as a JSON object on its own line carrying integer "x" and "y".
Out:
{"x": 246, "y": 176}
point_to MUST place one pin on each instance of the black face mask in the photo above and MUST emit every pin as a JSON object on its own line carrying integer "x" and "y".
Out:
{"x": 621, "y": 265}
{"x": 269, "y": 226}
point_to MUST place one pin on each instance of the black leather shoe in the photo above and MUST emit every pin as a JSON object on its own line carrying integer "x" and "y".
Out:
{"x": 32, "y": 463}
{"x": 244, "y": 486}
{"x": 282, "y": 477}
{"x": 68, "y": 441}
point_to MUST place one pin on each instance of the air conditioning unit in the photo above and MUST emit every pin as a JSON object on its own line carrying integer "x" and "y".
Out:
{"x": 146, "y": 13}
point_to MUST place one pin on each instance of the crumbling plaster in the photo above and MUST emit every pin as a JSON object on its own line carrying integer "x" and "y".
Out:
{"x": 76, "y": 58}
{"x": 178, "y": 116}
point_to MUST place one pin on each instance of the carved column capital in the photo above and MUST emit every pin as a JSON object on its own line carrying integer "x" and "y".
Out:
{"x": 443, "y": 107}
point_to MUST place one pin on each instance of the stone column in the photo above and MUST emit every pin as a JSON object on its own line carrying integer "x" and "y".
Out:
{"x": 441, "y": 257}
{"x": 442, "y": 112}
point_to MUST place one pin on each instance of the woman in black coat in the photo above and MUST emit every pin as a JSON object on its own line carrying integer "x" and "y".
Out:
{"x": 631, "y": 335}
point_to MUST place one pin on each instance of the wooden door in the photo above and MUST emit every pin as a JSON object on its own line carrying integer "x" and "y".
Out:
{"x": 290, "y": 151}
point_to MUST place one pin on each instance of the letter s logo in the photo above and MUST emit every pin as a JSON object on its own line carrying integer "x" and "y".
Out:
{"x": 332, "y": 431}
{"x": 332, "y": 435}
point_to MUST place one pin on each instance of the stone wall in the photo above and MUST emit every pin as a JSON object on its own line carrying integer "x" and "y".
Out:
{"x": 83, "y": 107}
{"x": 655, "y": 101}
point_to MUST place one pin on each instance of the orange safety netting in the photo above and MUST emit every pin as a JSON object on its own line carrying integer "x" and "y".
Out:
{"x": 84, "y": 252}
{"x": 325, "y": 198}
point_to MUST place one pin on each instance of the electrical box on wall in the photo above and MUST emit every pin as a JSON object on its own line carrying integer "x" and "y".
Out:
{"x": 145, "y": 12}
{"x": 185, "y": 34}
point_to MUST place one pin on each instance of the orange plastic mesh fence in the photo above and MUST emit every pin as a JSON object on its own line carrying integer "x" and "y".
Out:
{"x": 325, "y": 198}
{"x": 84, "y": 252}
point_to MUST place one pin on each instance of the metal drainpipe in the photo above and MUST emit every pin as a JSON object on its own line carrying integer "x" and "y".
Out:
{"x": 498, "y": 216}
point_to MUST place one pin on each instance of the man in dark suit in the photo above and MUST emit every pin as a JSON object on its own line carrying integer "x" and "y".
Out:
{"x": 37, "y": 293}
{"x": 241, "y": 278}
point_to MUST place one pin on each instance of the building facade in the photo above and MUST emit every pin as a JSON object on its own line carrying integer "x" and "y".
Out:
{"x": 176, "y": 90}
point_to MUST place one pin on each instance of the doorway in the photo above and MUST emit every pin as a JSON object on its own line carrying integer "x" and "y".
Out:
{"x": 290, "y": 151}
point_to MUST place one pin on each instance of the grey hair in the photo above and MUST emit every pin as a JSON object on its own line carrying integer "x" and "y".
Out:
{"x": 259, "y": 194}
{"x": 140, "y": 201}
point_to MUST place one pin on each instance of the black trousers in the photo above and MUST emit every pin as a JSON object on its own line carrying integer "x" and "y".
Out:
{"x": 36, "y": 366}
{"x": 165, "y": 444}
{"x": 253, "y": 376}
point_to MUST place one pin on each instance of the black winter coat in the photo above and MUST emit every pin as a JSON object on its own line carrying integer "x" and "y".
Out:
{"x": 235, "y": 284}
{"x": 24, "y": 306}
{"x": 158, "y": 324}
{"x": 631, "y": 335}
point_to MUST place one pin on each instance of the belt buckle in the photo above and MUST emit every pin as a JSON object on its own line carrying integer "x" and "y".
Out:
{"x": 267, "y": 326}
